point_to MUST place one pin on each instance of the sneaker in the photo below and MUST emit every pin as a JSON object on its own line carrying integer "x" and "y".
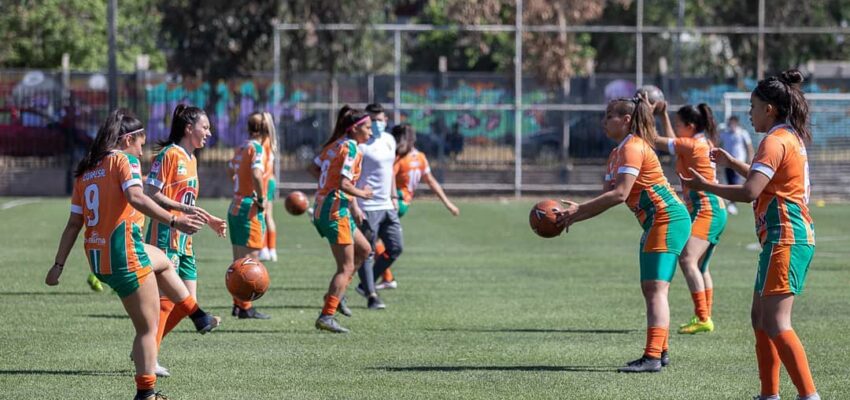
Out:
{"x": 732, "y": 210}
{"x": 813, "y": 396}
{"x": 665, "y": 358}
{"x": 343, "y": 307}
{"x": 393, "y": 284}
{"x": 161, "y": 371}
{"x": 771, "y": 397}
{"x": 251, "y": 313}
{"x": 94, "y": 283}
{"x": 328, "y": 323}
{"x": 155, "y": 396}
{"x": 697, "y": 327}
{"x": 206, "y": 323}
{"x": 264, "y": 255}
{"x": 375, "y": 303}
{"x": 691, "y": 321}
{"x": 643, "y": 364}
{"x": 273, "y": 255}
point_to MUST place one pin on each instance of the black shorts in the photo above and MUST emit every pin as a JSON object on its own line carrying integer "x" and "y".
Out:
{"x": 732, "y": 177}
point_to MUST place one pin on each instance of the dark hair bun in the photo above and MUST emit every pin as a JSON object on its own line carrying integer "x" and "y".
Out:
{"x": 791, "y": 77}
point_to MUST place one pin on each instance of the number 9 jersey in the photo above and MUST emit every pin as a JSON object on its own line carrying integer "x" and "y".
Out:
{"x": 113, "y": 237}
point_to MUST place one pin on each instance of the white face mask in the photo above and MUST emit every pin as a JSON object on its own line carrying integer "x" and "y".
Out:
{"x": 378, "y": 127}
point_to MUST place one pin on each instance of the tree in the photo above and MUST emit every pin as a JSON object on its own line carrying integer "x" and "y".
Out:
{"x": 35, "y": 34}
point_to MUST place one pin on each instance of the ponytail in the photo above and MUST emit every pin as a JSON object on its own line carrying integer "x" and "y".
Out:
{"x": 643, "y": 121}
{"x": 118, "y": 124}
{"x": 268, "y": 121}
{"x": 784, "y": 93}
{"x": 702, "y": 118}
{"x": 345, "y": 119}
{"x": 183, "y": 116}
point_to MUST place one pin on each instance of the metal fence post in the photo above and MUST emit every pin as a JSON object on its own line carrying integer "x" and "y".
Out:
{"x": 396, "y": 76}
{"x": 518, "y": 101}
{"x": 639, "y": 45}
{"x": 276, "y": 96}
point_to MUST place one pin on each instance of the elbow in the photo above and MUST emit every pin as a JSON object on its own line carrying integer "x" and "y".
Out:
{"x": 619, "y": 196}
{"x": 750, "y": 196}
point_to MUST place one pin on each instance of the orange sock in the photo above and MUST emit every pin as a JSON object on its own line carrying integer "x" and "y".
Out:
{"x": 145, "y": 382}
{"x": 380, "y": 249}
{"x": 271, "y": 239}
{"x": 709, "y": 299}
{"x": 655, "y": 336}
{"x": 700, "y": 306}
{"x": 165, "y": 307}
{"x": 242, "y": 304}
{"x": 331, "y": 303}
{"x": 666, "y": 345}
{"x": 768, "y": 363}
{"x": 185, "y": 307}
{"x": 388, "y": 275}
{"x": 793, "y": 357}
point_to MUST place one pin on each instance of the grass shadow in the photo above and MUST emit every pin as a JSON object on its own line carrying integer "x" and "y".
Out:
{"x": 64, "y": 372}
{"x": 48, "y": 294}
{"x": 521, "y": 368}
{"x": 108, "y": 316}
{"x": 262, "y": 307}
{"x": 221, "y": 331}
{"x": 534, "y": 330}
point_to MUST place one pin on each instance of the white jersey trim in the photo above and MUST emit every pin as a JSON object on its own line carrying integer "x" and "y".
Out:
{"x": 764, "y": 169}
{"x": 629, "y": 170}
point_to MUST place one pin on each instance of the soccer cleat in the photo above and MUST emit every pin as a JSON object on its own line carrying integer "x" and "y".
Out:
{"x": 343, "y": 307}
{"x": 697, "y": 327}
{"x": 691, "y": 321}
{"x": 206, "y": 323}
{"x": 375, "y": 303}
{"x": 643, "y": 364}
{"x": 813, "y": 396}
{"x": 272, "y": 255}
{"x": 161, "y": 371}
{"x": 250, "y": 313}
{"x": 328, "y": 323}
{"x": 155, "y": 396}
{"x": 264, "y": 255}
{"x": 393, "y": 284}
{"x": 94, "y": 283}
{"x": 665, "y": 358}
{"x": 771, "y": 397}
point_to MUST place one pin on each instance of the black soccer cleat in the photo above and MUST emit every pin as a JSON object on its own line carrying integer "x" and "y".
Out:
{"x": 250, "y": 313}
{"x": 206, "y": 323}
{"x": 665, "y": 358}
{"x": 643, "y": 364}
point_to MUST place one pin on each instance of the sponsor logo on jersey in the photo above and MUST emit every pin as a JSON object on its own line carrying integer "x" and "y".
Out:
{"x": 155, "y": 167}
{"x": 181, "y": 168}
{"x": 96, "y": 239}
{"x": 98, "y": 173}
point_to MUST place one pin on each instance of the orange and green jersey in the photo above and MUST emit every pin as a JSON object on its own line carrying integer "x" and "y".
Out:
{"x": 651, "y": 198}
{"x": 695, "y": 152}
{"x": 174, "y": 172}
{"x": 113, "y": 236}
{"x": 781, "y": 210}
{"x": 338, "y": 160}
{"x": 409, "y": 171}
{"x": 248, "y": 158}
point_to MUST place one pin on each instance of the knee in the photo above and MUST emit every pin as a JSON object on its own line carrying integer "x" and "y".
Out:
{"x": 394, "y": 251}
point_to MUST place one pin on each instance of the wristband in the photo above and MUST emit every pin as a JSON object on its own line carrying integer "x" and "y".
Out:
{"x": 173, "y": 219}
{"x": 56, "y": 264}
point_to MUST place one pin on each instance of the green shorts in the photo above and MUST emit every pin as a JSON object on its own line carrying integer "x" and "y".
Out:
{"x": 660, "y": 247}
{"x": 186, "y": 268}
{"x": 339, "y": 231}
{"x": 271, "y": 190}
{"x": 783, "y": 268}
{"x": 403, "y": 206}
{"x": 247, "y": 225}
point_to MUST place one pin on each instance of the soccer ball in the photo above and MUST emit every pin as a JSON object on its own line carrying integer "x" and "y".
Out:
{"x": 247, "y": 279}
{"x": 296, "y": 203}
{"x": 653, "y": 93}
{"x": 543, "y": 218}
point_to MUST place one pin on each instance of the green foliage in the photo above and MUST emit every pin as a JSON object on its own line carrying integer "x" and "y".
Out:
{"x": 35, "y": 34}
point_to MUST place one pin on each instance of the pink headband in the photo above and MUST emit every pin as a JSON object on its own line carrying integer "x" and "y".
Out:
{"x": 131, "y": 133}
{"x": 360, "y": 121}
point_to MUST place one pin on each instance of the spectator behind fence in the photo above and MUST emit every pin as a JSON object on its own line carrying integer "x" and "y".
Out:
{"x": 737, "y": 142}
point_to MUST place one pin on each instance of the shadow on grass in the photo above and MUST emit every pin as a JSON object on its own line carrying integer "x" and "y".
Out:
{"x": 298, "y": 288}
{"x": 224, "y": 331}
{"x": 64, "y": 372}
{"x": 48, "y": 294}
{"x": 108, "y": 316}
{"x": 522, "y": 368}
{"x": 533, "y": 330}
{"x": 262, "y": 307}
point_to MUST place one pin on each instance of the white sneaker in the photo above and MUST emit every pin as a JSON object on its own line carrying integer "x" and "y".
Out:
{"x": 813, "y": 396}
{"x": 732, "y": 209}
{"x": 273, "y": 255}
{"x": 393, "y": 284}
{"x": 161, "y": 371}
{"x": 264, "y": 254}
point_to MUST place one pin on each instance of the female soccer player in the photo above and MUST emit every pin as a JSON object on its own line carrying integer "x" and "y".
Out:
{"x": 338, "y": 168}
{"x": 778, "y": 183}
{"x": 411, "y": 167}
{"x": 245, "y": 216}
{"x": 108, "y": 199}
{"x": 173, "y": 184}
{"x": 691, "y": 142}
{"x": 265, "y": 121}
{"x": 635, "y": 177}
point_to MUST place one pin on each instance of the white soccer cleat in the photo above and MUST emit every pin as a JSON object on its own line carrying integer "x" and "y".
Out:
{"x": 393, "y": 284}
{"x": 264, "y": 254}
{"x": 161, "y": 371}
{"x": 273, "y": 255}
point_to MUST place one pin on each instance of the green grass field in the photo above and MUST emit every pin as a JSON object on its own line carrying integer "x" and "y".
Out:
{"x": 484, "y": 310}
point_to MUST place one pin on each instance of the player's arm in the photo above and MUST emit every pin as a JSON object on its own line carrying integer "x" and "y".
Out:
{"x": 163, "y": 201}
{"x": 435, "y": 186}
{"x": 348, "y": 187}
{"x": 187, "y": 223}
{"x": 664, "y": 141}
{"x": 750, "y": 152}
{"x": 757, "y": 180}
{"x": 724, "y": 159}
{"x": 66, "y": 243}
{"x": 589, "y": 209}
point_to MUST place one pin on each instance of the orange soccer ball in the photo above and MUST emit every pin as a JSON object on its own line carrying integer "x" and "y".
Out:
{"x": 544, "y": 218}
{"x": 247, "y": 279}
{"x": 296, "y": 203}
